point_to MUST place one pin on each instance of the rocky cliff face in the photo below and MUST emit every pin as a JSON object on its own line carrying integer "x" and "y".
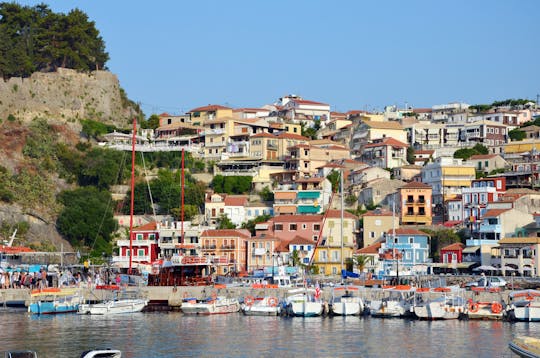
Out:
{"x": 65, "y": 96}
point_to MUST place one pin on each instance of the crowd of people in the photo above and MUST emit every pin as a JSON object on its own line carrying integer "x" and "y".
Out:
{"x": 23, "y": 279}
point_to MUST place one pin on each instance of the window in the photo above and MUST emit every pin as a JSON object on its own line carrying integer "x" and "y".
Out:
{"x": 151, "y": 236}
{"x": 278, "y": 227}
{"x": 317, "y": 227}
{"x": 411, "y": 240}
{"x": 410, "y": 211}
{"x": 421, "y": 199}
{"x": 304, "y": 226}
{"x": 139, "y": 237}
{"x": 395, "y": 240}
{"x": 140, "y": 252}
{"x": 372, "y": 234}
{"x": 292, "y": 227}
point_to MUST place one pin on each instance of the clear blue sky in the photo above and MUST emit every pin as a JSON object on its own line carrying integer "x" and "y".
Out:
{"x": 177, "y": 55}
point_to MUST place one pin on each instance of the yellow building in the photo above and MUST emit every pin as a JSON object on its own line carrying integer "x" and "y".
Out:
{"x": 305, "y": 159}
{"x": 200, "y": 115}
{"x": 376, "y": 224}
{"x": 415, "y": 204}
{"x": 332, "y": 253}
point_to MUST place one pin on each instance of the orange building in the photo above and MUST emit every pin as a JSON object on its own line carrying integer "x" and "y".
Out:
{"x": 416, "y": 203}
{"x": 227, "y": 249}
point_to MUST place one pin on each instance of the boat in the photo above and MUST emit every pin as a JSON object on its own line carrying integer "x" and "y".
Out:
{"x": 121, "y": 303}
{"x": 524, "y": 305}
{"x": 55, "y": 300}
{"x": 210, "y": 305}
{"x": 261, "y": 306}
{"x": 304, "y": 302}
{"x": 524, "y": 346}
{"x": 393, "y": 301}
{"x": 346, "y": 302}
{"x": 102, "y": 353}
{"x": 20, "y": 354}
{"x": 485, "y": 310}
{"x": 439, "y": 303}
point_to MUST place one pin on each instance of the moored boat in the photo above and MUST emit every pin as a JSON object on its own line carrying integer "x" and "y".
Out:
{"x": 439, "y": 303}
{"x": 526, "y": 347}
{"x": 261, "y": 306}
{"x": 393, "y": 301}
{"x": 485, "y": 310}
{"x": 304, "y": 302}
{"x": 524, "y": 305}
{"x": 55, "y": 300}
{"x": 346, "y": 301}
{"x": 211, "y": 305}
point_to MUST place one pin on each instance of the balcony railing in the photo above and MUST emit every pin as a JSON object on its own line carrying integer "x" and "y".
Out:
{"x": 228, "y": 247}
{"x": 490, "y": 228}
{"x": 121, "y": 259}
{"x": 209, "y": 247}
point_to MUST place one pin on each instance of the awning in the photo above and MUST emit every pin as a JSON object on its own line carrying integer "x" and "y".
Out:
{"x": 470, "y": 249}
{"x": 452, "y": 223}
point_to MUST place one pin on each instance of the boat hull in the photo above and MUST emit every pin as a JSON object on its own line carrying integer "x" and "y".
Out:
{"x": 388, "y": 309}
{"x": 52, "y": 308}
{"x": 216, "y": 307}
{"x": 113, "y": 307}
{"x": 527, "y": 347}
{"x": 347, "y": 308}
{"x": 261, "y": 311}
{"x": 527, "y": 313}
{"x": 305, "y": 309}
{"x": 435, "y": 310}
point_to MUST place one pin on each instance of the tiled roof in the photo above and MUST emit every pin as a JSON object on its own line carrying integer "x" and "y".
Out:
{"x": 387, "y": 141}
{"x": 383, "y": 125}
{"x": 455, "y": 246}
{"x": 494, "y": 213}
{"x": 520, "y": 240}
{"x": 209, "y": 108}
{"x": 250, "y": 110}
{"x": 378, "y": 213}
{"x": 263, "y": 134}
{"x": 407, "y": 231}
{"x": 243, "y": 233}
{"x": 299, "y": 240}
{"x": 147, "y": 227}
{"x": 292, "y": 136}
{"x": 416, "y": 185}
{"x": 305, "y": 101}
{"x": 371, "y": 249}
{"x": 337, "y": 214}
{"x": 424, "y": 151}
{"x": 422, "y": 110}
{"x": 236, "y": 200}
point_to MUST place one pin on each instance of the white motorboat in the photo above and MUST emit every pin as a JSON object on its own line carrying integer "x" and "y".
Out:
{"x": 128, "y": 305}
{"x": 304, "y": 302}
{"x": 439, "y": 303}
{"x": 102, "y": 353}
{"x": 261, "y": 306}
{"x": 346, "y": 301}
{"x": 212, "y": 305}
{"x": 524, "y": 305}
{"x": 394, "y": 301}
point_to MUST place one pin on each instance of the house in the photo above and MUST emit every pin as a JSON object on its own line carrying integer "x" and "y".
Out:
{"x": 255, "y": 209}
{"x": 447, "y": 176}
{"x": 487, "y": 162}
{"x": 385, "y": 153}
{"x": 337, "y": 243}
{"x": 226, "y": 249}
{"x": 407, "y": 172}
{"x": 304, "y": 248}
{"x": 214, "y": 206}
{"x": 380, "y": 192}
{"x": 303, "y": 196}
{"x": 365, "y": 174}
{"x": 421, "y": 157}
{"x": 475, "y": 200}
{"x": 415, "y": 204}
{"x": 200, "y": 115}
{"x": 261, "y": 250}
{"x": 306, "y": 158}
{"x": 235, "y": 208}
{"x": 518, "y": 255}
{"x": 376, "y": 224}
{"x": 298, "y": 109}
{"x": 372, "y": 252}
{"x": 454, "y": 210}
{"x": 368, "y": 131}
{"x": 405, "y": 250}
{"x": 486, "y": 132}
{"x": 287, "y": 227}
{"x": 141, "y": 250}
{"x": 452, "y": 253}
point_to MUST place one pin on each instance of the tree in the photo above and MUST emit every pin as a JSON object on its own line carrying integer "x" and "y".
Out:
{"x": 266, "y": 194}
{"x": 250, "y": 224}
{"x": 439, "y": 239}
{"x": 87, "y": 216}
{"x": 103, "y": 168}
{"x": 334, "y": 177}
{"x": 361, "y": 261}
{"x": 231, "y": 184}
{"x": 410, "y": 155}
{"x": 516, "y": 134}
{"x": 151, "y": 123}
{"x": 225, "y": 223}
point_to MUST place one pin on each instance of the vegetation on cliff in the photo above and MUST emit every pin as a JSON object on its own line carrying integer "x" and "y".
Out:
{"x": 37, "y": 39}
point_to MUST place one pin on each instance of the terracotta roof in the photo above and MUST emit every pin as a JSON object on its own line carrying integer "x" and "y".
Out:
{"x": 422, "y": 110}
{"x": 309, "y": 180}
{"x": 14, "y": 249}
{"x": 209, "y": 108}
{"x": 263, "y": 134}
{"x": 243, "y": 233}
{"x": 483, "y": 156}
{"x": 236, "y": 200}
{"x": 416, "y": 185}
{"x": 424, "y": 151}
{"x": 147, "y": 227}
{"x": 389, "y": 141}
{"x": 407, "y": 231}
{"x": 494, "y": 212}
{"x": 250, "y": 110}
{"x": 378, "y": 213}
{"x": 304, "y": 101}
{"x": 164, "y": 114}
{"x": 337, "y": 214}
{"x": 299, "y": 240}
{"x": 520, "y": 240}
{"x": 292, "y": 136}
{"x": 371, "y": 249}
{"x": 383, "y": 125}
{"x": 455, "y": 246}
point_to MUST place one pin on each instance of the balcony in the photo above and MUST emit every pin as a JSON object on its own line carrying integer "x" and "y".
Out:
{"x": 495, "y": 228}
{"x": 215, "y": 144}
{"x": 138, "y": 243}
{"x": 228, "y": 247}
{"x": 209, "y": 247}
{"x": 125, "y": 259}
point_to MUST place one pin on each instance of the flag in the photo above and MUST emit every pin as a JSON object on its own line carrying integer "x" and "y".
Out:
{"x": 317, "y": 291}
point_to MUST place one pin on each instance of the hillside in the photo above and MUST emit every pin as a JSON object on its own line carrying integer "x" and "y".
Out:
{"x": 38, "y": 115}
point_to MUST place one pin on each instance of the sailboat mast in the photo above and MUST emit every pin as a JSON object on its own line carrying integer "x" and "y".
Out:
{"x": 341, "y": 187}
{"x": 132, "y": 194}
{"x": 182, "y": 203}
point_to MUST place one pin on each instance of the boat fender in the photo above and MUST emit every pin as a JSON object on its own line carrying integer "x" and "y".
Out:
{"x": 496, "y": 307}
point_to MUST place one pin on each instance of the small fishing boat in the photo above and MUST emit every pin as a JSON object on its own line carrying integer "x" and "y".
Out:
{"x": 485, "y": 310}
{"x": 304, "y": 302}
{"x": 211, "y": 305}
{"x": 346, "y": 301}
{"x": 393, "y": 301}
{"x": 55, "y": 300}
{"x": 261, "y": 306}
{"x": 524, "y": 305}
{"x": 526, "y": 347}
{"x": 121, "y": 303}
{"x": 441, "y": 303}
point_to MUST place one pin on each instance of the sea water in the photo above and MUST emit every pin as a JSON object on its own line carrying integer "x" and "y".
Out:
{"x": 233, "y": 335}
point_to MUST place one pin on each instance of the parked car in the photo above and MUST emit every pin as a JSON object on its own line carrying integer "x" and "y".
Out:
{"x": 493, "y": 281}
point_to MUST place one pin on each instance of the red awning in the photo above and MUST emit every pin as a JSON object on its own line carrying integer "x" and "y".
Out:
{"x": 452, "y": 223}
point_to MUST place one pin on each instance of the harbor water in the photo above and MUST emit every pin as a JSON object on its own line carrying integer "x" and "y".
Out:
{"x": 174, "y": 334}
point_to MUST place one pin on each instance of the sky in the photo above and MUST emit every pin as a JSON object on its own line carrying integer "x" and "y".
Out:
{"x": 172, "y": 56}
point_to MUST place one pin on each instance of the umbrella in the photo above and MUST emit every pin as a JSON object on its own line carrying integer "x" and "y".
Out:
{"x": 485, "y": 268}
{"x": 509, "y": 268}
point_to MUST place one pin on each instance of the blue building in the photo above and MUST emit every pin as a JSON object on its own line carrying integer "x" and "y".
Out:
{"x": 404, "y": 250}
